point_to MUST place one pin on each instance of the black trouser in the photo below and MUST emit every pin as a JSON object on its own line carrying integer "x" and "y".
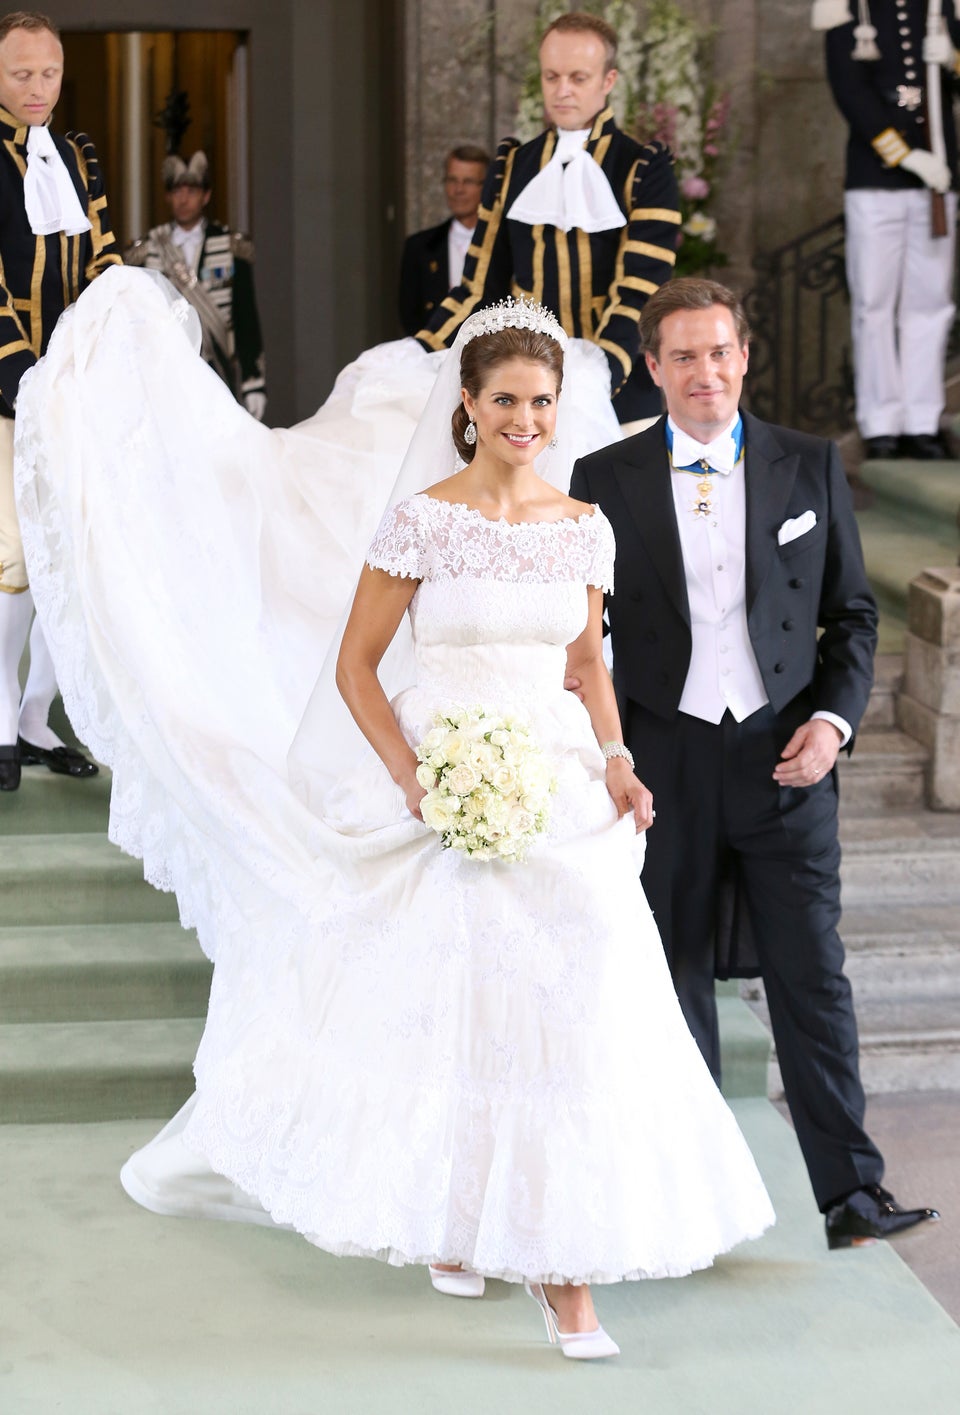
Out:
{"x": 719, "y": 809}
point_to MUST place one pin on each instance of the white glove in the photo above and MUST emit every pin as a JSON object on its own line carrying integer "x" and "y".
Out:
{"x": 255, "y": 403}
{"x": 938, "y": 49}
{"x": 931, "y": 170}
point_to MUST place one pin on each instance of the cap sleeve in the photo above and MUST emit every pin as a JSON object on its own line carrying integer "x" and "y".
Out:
{"x": 602, "y": 552}
{"x": 399, "y": 547}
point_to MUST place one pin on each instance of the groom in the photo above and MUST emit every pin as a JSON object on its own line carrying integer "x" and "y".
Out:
{"x": 736, "y": 540}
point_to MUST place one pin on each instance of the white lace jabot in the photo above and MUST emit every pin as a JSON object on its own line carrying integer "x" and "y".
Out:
{"x": 49, "y": 195}
{"x": 571, "y": 191}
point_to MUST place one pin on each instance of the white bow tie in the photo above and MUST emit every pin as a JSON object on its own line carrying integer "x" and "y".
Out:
{"x": 572, "y": 191}
{"x": 720, "y": 454}
{"x": 49, "y": 195}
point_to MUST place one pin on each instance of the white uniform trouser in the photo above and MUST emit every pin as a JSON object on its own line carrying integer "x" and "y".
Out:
{"x": 901, "y": 298}
{"x": 28, "y": 715}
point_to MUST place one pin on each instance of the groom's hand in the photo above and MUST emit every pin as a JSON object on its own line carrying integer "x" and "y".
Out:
{"x": 809, "y": 755}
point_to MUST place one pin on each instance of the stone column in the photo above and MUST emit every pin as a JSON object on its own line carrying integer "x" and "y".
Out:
{"x": 929, "y": 705}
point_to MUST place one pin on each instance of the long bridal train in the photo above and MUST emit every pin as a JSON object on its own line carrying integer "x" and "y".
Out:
{"x": 407, "y": 1055}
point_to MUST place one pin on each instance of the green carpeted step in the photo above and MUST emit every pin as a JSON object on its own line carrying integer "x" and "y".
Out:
{"x": 89, "y": 972}
{"x": 744, "y": 1046}
{"x": 47, "y": 802}
{"x": 53, "y": 1071}
{"x": 923, "y": 496}
{"x": 78, "y": 878}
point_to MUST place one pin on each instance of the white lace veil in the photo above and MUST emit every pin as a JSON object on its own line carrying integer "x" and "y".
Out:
{"x": 328, "y": 740}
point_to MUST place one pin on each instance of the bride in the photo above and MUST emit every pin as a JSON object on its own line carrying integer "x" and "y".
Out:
{"x": 410, "y": 1054}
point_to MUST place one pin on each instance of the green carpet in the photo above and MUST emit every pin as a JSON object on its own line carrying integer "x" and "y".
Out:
{"x": 113, "y": 1311}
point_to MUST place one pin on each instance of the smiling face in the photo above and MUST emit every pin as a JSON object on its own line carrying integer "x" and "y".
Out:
{"x": 515, "y": 411}
{"x": 31, "y": 72}
{"x": 700, "y": 367}
{"x": 574, "y": 77}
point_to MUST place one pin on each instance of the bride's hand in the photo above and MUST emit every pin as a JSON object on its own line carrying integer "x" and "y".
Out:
{"x": 629, "y": 793}
{"x": 413, "y": 792}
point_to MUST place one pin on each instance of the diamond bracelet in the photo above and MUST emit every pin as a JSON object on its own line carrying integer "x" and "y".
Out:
{"x": 617, "y": 749}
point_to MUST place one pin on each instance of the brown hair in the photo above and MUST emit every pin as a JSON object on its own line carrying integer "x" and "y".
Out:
{"x": 467, "y": 152}
{"x": 26, "y": 19}
{"x": 579, "y": 22}
{"x": 688, "y": 293}
{"x": 479, "y": 358}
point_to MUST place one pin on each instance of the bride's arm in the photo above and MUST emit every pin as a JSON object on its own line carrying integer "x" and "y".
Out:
{"x": 379, "y": 605}
{"x": 585, "y": 663}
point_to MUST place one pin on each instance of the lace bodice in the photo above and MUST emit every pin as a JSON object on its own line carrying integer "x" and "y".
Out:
{"x": 427, "y": 539}
{"x": 497, "y": 603}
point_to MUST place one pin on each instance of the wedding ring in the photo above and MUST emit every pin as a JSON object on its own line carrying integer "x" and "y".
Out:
{"x": 653, "y": 815}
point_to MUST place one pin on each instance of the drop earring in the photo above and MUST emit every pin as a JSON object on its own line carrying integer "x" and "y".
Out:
{"x": 470, "y": 433}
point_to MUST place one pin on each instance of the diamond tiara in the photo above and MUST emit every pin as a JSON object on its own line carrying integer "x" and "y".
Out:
{"x": 512, "y": 314}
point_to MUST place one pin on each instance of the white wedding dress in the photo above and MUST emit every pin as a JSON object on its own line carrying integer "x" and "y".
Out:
{"x": 408, "y": 1054}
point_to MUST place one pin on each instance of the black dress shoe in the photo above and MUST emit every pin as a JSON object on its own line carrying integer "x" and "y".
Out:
{"x": 868, "y": 1214}
{"x": 875, "y": 447}
{"x": 65, "y": 761}
{"x": 9, "y": 768}
{"x": 927, "y": 446}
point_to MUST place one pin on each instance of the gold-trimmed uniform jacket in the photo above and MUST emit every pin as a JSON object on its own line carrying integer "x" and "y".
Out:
{"x": 596, "y": 284}
{"x": 41, "y": 275}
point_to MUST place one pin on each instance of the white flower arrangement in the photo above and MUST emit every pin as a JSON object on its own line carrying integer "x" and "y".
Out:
{"x": 487, "y": 782}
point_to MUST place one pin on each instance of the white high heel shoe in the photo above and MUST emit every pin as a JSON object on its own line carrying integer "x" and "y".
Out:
{"x": 578, "y": 1345}
{"x": 458, "y": 1283}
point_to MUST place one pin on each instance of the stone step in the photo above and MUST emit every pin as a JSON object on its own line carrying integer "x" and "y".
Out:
{"x": 99, "y": 972}
{"x": 48, "y": 802}
{"x": 79, "y": 1071}
{"x": 76, "y": 878}
{"x": 904, "y": 932}
{"x": 887, "y": 681}
{"x": 885, "y": 771}
{"x": 904, "y": 859}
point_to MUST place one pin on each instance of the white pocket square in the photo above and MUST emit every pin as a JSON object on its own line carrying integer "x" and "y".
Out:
{"x": 798, "y": 526}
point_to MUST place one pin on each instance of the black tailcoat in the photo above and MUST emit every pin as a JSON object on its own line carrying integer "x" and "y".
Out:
{"x": 732, "y": 853}
{"x": 424, "y": 275}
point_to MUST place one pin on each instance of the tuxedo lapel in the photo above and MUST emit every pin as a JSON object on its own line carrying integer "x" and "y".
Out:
{"x": 770, "y": 473}
{"x": 642, "y": 472}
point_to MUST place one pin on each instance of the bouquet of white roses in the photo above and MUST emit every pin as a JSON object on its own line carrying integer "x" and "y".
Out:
{"x": 487, "y": 784}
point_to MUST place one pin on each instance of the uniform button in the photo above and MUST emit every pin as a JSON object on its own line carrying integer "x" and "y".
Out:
{"x": 725, "y": 672}
{"x": 779, "y": 667}
{"x": 724, "y": 648}
{"x": 788, "y": 623}
{"x": 907, "y": 44}
{"x": 429, "y": 305}
{"x": 796, "y": 584}
{"x": 719, "y": 567}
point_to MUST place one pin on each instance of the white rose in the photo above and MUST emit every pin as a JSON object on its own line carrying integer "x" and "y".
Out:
{"x": 432, "y": 740}
{"x": 463, "y": 779}
{"x": 499, "y": 737}
{"x": 439, "y": 812}
{"x": 519, "y": 822}
{"x": 504, "y": 777}
{"x": 426, "y": 776}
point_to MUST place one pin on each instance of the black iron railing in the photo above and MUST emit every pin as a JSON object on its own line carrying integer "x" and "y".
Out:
{"x": 801, "y": 372}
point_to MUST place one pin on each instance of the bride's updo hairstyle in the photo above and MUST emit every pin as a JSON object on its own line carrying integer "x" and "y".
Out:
{"x": 514, "y": 329}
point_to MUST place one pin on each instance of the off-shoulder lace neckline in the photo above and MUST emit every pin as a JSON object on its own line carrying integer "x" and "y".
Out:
{"x": 502, "y": 520}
